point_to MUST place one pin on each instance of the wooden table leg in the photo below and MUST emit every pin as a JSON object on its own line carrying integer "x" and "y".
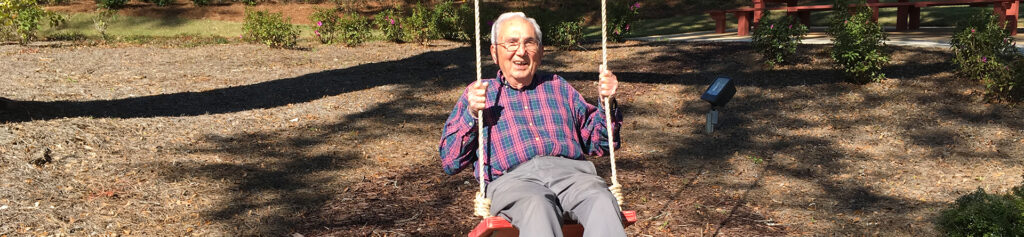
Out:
{"x": 805, "y": 18}
{"x": 901, "y": 18}
{"x": 1012, "y": 14}
{"x": 1000, "y": 10}
{"x": 874, "y": 11}
{"x": 915, "y": 18}
{"x": 743, "y": 22}
{"x": 719, "y": 18}
{"x": 758, "y": 4}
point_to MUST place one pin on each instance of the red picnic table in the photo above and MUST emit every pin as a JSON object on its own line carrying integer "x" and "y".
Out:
{"x": 908, "y": 14}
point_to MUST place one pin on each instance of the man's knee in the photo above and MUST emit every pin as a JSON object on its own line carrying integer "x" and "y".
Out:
{"x": 538, "y": 202}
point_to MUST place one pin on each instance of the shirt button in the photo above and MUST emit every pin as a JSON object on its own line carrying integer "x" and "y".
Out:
{"x": 531, "y": 124}
{"x": 526, "y": 107}
{"x": 536, "y": 139}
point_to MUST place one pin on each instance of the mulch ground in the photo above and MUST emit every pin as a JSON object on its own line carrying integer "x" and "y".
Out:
{"x": 246, "y": 140}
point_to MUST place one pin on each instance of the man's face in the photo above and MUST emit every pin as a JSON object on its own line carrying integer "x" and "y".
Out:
{"x": 517, "y": 52}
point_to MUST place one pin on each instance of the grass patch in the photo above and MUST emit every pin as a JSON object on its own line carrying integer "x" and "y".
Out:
{"x": 664, "y": 26}
{"x": 82, "y": 24}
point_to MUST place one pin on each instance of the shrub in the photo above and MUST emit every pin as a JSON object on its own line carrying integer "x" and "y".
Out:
{"x": 985, "y": 51}
{"x": 66, "y": 36}
{"x": 269, "y": 28}
{"x": 102, "y": 20}
{"x": 325, "y": 25}
{"x": 20, "y": 19}
{"x": 621, "y": 15}
{"x": 1003, "y": 81}
{"x": 553, "y": 25}
{"x": 977, "y": 38}
{"x": 983, "y": 214}
{"x": 857, "y": 44}
{"x": 354, "y": 29}
{"x": 112, "y": 4}
{"x": 160, "y": 2}
{"x": 776, "y": 39}
{"x": 389, "y": 23}
{"x": 422, "y": 25}
{"x": 567, "y": 34}
{"x": 454, "y": 23}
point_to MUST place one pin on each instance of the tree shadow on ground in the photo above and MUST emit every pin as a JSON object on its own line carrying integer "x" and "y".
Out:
{"x": 290, "y": 177}
{"x": 263, "y": 95}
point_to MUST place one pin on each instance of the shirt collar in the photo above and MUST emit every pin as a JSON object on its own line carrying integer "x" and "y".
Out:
{"x": 504, "y": 82}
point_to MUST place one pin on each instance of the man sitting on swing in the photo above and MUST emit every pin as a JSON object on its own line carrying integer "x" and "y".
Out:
{"x": 537, "y": 130}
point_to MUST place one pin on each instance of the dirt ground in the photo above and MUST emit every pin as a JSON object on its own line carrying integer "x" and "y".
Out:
{"x": 342, "y": 141}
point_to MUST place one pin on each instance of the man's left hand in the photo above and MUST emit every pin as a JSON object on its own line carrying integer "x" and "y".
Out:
{"x": 607, "y": 83}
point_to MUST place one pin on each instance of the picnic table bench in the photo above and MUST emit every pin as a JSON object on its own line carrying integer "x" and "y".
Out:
{"x": 908, "y": 14}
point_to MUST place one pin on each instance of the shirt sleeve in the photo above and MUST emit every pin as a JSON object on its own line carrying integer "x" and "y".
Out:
{"x": 590, "y": 119}
{"x": 459, "y": 139}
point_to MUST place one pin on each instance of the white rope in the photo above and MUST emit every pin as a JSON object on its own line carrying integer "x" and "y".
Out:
{"x": 482, "y": 205}
{"x": 615, "y": 188}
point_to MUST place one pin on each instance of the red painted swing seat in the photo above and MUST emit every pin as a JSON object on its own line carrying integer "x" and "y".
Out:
{"x": 496, "y": 226}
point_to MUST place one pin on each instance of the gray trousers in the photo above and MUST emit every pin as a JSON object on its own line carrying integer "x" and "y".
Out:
{"x": 537, "y": 195}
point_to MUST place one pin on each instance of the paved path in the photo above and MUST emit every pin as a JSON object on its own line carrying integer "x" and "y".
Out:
{"x": 924, "y": 37}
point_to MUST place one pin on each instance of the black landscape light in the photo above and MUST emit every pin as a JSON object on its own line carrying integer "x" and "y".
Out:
{"x": 718, "y": 94}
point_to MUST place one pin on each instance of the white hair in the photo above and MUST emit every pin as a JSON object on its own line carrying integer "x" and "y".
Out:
{"x": 496, "y": 27}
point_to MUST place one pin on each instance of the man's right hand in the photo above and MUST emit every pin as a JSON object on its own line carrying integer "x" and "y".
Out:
{"x": 477, "y": 97}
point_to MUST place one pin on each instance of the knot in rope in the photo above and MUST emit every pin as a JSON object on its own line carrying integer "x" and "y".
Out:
{"x": 482, "y": 205}
{"x": 617, "y": 192}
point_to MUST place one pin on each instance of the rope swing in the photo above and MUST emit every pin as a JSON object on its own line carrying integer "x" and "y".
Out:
{"x": 497, "y": 226}
{"x": 482, "y": 204}
{"x": 615, "y": 188}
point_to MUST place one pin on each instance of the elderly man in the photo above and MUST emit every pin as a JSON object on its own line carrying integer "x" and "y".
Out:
{"x": 537, "y": 130}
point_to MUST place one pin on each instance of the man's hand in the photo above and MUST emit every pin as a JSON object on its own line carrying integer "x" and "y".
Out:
{"x": 477, "y": 96}
{"x": 607, "y": 83}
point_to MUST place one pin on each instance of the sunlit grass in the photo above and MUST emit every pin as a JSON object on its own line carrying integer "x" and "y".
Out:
{"x": 82, "y": 23}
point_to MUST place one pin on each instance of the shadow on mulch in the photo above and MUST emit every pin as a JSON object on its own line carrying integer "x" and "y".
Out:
{"x": 277, "y": 171}
{"x": 263, "y": 95}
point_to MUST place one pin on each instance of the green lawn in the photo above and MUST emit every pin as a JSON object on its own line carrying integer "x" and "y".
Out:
{"x": 82, "y": 23}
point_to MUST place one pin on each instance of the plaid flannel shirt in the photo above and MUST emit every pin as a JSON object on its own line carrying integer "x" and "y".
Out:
{"x": 546, "y": 118}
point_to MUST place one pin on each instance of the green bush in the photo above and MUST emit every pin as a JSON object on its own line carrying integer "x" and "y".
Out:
{"x": 102, "y": 20}
{"x": 388, "y": 22}
{"x": 776, "y": 38}
{"x": 985, "y": 51}
{"x": 421, "y": 24}
{"x": 857, "y": 44}
{"x": 621, "y": 15}
{"x": 355, "y": 29}
{"x": 983, "y": 214}
{"x": 160, "y": 2}
{"x": 20, "y": 19}
{"x": 1003, "y": 81}
{"x": 269, "y": 28}
{"x": 567, "y": 34}
{"x": 325, "y": 25}
{"x": 454, "y": 23}
{"x": 112, "y": 4}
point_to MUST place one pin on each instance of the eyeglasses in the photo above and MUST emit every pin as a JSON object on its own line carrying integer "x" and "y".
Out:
{"x": 529, "y": 45}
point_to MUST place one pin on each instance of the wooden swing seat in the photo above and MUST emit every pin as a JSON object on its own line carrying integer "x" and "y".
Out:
{"x": 497, "y": 226}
